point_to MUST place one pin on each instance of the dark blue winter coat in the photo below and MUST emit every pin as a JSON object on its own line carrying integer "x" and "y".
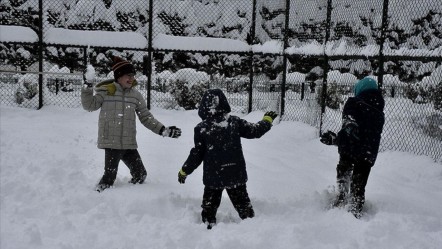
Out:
{"x": 362, "y": 124}
{"x": 218, "y": 142}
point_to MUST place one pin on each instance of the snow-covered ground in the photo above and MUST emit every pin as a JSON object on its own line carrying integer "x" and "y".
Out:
{"x": 49, "y": 165}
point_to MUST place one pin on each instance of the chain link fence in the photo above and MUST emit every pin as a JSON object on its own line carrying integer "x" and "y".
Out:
{"x": 299, "y": 57}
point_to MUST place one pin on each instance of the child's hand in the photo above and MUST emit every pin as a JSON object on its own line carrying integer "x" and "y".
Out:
{"x": 171, "y": 131}
{"x": 270, "y": 116}
{"x": 328, "y": 138}
{"x": 181, "y": 176}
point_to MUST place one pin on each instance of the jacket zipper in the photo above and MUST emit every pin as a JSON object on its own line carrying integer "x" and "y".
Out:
{"x": 123, "y": 118}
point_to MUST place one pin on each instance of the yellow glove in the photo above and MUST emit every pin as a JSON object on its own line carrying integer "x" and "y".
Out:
{"x": 270, "y": 116}
{"x": 182, "y": 176}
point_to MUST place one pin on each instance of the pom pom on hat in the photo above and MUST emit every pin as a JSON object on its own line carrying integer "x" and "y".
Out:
{"x": 121, "y": 67}
{"x": 365, "y": 84}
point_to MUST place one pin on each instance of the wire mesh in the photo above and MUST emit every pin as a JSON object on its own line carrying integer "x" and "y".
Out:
{"x": 220, "y": 19}
{"x": 355, "y": 27}
{"x": 307, "y": 24}
{"x": 414, "y": 28}
{"x": 16, "y": 90}
{"x": 319, "y": 43}
{"x": 106, "y": 15}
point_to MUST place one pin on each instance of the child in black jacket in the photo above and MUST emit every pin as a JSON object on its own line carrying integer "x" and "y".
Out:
{"x": 358, "y": 143}
{"x": 218, "y": 145}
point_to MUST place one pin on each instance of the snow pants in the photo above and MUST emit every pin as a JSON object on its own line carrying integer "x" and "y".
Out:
{"x": 132, "y": 160}
{"x": 352, "y": 176}
{"x": 238, "y": 196}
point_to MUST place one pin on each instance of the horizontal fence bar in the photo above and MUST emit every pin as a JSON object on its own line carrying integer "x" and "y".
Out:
{"x": 36, "y": 72}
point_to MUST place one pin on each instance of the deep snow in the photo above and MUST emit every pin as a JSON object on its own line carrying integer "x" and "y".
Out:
{"x": 49, "y": 165}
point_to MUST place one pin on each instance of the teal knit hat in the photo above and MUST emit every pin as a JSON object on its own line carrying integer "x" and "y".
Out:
{"x": 365, "y": 84}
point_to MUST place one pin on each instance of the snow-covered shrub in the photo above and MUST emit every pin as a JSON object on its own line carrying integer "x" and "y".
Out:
{"x": 187, "y": 95}
{"x": 333, "y": 98}
{"x": 237, "y": 85}
{"x": 430, "y": 125}
{"x": 188, "y": 86}
{"x": 437, "y": 97}
{"x": 161, "y": 81}
{"x": 28, "y": 88}
{"x": 417, "y": 93}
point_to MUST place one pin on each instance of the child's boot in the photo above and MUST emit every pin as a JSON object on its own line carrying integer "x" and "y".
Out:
{"x": 343, "y": 184}
{"x": 102, "y": 186}
{"x": 138, "y": 179}
{"x": 357, "y": 203}
{"x": 208, "y": 215}
{"x": 357, "y": 194}
{"x": 209, "y": 220}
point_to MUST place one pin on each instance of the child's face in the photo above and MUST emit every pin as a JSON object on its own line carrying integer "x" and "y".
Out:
{"x": 126, "y": 80}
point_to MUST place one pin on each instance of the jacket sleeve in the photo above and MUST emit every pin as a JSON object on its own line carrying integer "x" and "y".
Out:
{"x": 89, "y": 101}
{"x": 146, "y": 117}
{"x": 196, "y": 154}
{"x": 350, "y": 128}
{"x": 253, "y": 130}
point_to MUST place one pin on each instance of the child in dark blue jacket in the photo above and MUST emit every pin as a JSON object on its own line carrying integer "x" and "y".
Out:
{"x": 218, "y": 145}
{"x": 358, "y": 143}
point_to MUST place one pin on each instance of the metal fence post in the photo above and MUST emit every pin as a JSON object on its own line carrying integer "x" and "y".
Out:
{"x": 381, "y": 46}
{"x": 302, "y": 90}
{"x": 252, "y": 38}
{"x": 250, "y": 102}
{"x": 148, "y": 63}
{"x": 284, "y": 60}
{"x": 86, "y": 62}
{"x": 326, "y": 65}
{"x": 40, "y": 54}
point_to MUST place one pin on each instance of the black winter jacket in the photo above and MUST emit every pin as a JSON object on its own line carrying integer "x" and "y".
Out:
{"x": 218, "y": 142}
{"x": 362, "y": 124}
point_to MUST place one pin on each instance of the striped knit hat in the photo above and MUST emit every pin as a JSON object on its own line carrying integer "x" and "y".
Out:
{"x": 121, "y": 67}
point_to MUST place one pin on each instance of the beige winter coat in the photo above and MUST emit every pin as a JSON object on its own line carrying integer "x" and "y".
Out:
{"x": 117, "y": 123}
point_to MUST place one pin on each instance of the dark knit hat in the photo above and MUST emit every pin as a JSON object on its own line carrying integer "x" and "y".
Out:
{"x": 121, "y": 67}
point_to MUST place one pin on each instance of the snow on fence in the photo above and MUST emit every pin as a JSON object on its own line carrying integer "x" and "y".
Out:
{"x": 266, "y": 56}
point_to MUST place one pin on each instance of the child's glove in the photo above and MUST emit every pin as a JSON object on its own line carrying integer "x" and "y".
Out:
{"x": 328, "y": 138}
{"x": 171, "y": 131}
{"x": 181, "y": 176}
{"x": 270, "y": 116}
